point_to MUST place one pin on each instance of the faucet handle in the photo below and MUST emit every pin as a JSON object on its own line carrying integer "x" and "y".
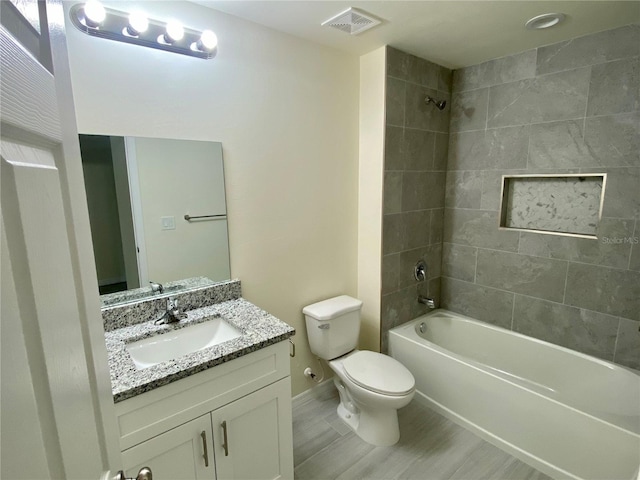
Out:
{"x": 172, "y": 303}
{"x": 173, "y": 310}
{"x": 156, "y": 287}
{"x": 420, "y": 271}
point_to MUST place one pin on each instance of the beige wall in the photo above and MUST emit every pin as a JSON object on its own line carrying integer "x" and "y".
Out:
{"x": 286, "y": 112}
{"x": 371, "y": 177}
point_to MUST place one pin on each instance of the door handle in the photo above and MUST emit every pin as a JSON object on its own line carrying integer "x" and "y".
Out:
{"x": 225, "y": 441}
{"x": 143, "y": 474}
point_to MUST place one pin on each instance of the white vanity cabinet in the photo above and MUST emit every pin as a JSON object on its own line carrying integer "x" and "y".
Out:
{"x": 175, "y": 455}
{"x": 248, "y": 399}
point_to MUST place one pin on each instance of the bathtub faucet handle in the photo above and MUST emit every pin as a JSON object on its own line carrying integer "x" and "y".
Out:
{"x": 420, "y": 271}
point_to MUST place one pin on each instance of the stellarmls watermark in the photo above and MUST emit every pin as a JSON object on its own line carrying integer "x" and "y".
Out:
{"x": 620, "y": 240}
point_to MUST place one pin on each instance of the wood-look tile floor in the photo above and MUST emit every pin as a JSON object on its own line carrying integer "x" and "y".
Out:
{"x": 431, "y": 447}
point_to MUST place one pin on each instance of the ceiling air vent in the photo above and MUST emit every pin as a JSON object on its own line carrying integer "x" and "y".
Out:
{"x": 352, "y": 21}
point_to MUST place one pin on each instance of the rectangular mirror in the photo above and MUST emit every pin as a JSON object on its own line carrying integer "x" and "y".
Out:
{"x": 158, "y": 212}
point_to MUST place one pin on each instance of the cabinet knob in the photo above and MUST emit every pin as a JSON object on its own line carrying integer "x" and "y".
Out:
{"x": 143, "y": 474}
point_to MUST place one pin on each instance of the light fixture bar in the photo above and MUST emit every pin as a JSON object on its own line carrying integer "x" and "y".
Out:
{"x": 114, "y": 27}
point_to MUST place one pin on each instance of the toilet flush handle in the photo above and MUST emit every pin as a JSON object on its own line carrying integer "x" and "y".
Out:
{"x": 324, "y": 326}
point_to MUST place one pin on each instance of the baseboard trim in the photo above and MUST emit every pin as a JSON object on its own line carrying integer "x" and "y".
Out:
{"x": 315, "y": 391}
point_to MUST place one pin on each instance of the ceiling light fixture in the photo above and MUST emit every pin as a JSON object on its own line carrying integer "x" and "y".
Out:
{"x": 546, "y": 20}
{"x": 136, "y": 28}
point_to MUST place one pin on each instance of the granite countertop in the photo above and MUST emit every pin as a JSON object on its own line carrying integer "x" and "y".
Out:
{"x": 259, "y": 329}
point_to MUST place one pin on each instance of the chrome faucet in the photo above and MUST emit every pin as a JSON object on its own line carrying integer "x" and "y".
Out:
{"x": 172, "y": 314}
{"x": 429, "y": 302}
{"x": 156, "y": 287}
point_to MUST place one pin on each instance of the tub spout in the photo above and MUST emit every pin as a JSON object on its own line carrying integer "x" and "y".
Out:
{"x": 429, "y": 302}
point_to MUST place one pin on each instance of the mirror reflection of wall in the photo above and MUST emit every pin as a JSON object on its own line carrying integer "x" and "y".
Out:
{"x": 138, "y": 192}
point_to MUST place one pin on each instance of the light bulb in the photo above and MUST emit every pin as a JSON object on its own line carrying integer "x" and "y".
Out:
{"x": 208, "y": 41}
{"x": 174, "y": 33}
{"x": 138, "y": 23}
{"x": 94, "y": 13}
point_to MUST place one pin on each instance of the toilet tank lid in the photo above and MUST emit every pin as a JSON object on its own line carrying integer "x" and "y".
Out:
{"x": 332, "y": 307}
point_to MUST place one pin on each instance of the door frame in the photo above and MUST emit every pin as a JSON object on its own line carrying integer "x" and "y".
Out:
{"x": 136, "y": 209}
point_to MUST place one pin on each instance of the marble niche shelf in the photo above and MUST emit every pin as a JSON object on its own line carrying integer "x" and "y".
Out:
{"x": 562, "y": 204}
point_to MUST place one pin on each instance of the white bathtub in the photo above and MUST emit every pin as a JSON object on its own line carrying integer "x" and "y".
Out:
{"x": 567, "y": 414}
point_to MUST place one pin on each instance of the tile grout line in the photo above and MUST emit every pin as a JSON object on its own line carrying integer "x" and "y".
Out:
{"x": 586, "y": 104}
{"x": 528, "y": 147}
{"x": 486, "y": 117}
{"x": 455, "y": 132}
{"x": 622, "y": 269}
{"x": 475, "y": 270}
{"x": 627, "y": 58}
{"x": 615, "y": 344}
{"x": 535, "y": 298}
{"x": 566, "y": 281}
{"x": 635, "y": 230}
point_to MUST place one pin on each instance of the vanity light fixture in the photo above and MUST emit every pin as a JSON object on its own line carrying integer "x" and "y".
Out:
{"x": 138, "y": 23}
{"x": 94, "y": 13}
{"x": 173, "y": 33}
{"x": 207, "y": 43}
{"x": 135, "y": 27}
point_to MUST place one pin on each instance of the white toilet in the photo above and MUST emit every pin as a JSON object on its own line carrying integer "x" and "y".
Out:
{"x": 372, "y": 386}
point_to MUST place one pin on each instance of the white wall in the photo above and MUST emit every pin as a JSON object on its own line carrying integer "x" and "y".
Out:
{"x": 286, "y": 112}
{"x": 371, "y": 166}
{"x": 178, "y": 177}
{"x": 125, "y": 213}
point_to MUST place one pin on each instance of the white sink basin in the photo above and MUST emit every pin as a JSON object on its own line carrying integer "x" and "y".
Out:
{"x": 162, "y": 348}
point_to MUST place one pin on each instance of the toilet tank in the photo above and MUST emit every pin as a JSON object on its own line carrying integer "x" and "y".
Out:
{"x": 333, "y": 326}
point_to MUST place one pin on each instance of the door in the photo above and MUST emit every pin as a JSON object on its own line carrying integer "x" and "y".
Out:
{"x": 183, "y": 453}
{"x": 57, "y": 414}
{"x": 253, "y": 436}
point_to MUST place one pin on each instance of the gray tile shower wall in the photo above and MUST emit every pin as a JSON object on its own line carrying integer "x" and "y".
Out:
{"x": 571, "y": 107}
{"x": 416, "y": 140}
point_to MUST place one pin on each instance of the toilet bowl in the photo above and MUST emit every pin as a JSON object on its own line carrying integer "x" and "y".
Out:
{"x": 371, "y": 396}
{"x": 372, "y": 386}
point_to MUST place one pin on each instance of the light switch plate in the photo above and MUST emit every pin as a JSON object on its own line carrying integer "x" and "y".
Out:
{"x": 168, "y": 223}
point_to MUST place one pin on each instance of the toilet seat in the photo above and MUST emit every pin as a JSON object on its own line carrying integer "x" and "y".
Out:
{"x": 378, "y": 373}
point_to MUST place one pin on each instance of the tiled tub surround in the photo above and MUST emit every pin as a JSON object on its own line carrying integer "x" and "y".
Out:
{"x": 416, "y": 139}
{"x": 571, "y": 107}
{"x": 259, "y": 329}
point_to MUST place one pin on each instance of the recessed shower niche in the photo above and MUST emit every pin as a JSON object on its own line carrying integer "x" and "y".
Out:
{"x": 568, "y": 204}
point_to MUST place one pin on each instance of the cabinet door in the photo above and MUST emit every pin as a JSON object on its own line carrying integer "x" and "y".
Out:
{"x": 258, "y": 442}
{"x": 178, "y": 454}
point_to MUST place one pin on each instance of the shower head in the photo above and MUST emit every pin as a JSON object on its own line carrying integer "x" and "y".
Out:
{"x": 438, "y": 103}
